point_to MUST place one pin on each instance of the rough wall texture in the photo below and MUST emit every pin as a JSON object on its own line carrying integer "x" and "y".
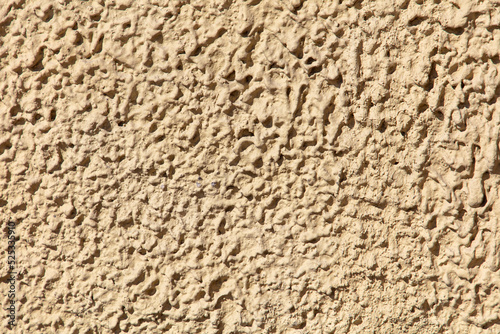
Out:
{"x": 275, "y": 166}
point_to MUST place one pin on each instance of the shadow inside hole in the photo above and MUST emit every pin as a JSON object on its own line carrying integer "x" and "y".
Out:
{"x": 382, "y": 127}
{"x": 439, "y": 115}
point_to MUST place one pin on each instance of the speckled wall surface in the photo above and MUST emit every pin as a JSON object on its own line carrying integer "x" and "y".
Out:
{"x": 250, "y": 166}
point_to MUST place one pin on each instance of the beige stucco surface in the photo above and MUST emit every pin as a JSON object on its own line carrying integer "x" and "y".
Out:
{"x": 251, "y": 166}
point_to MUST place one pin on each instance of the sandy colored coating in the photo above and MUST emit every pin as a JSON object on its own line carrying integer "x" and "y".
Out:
{"x": 248, "y": 166}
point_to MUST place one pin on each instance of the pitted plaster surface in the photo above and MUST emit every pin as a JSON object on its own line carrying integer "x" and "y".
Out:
{"x": 251, "y": 166}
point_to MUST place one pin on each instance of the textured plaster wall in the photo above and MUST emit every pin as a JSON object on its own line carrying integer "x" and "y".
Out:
{"x": 251, "y": 166}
